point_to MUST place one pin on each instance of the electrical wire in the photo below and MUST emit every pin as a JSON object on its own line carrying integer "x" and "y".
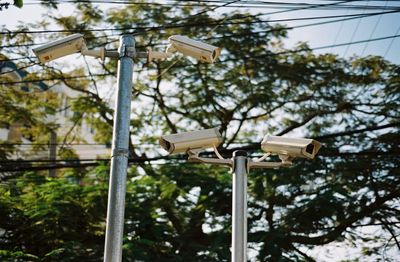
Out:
{"x": 391, "y": 43}
{"x": 321, "y": 137}
{"x": 19, "y": 68}
{"x": 51, "y": 79}
{"x": 241, "y": 4}
{"x": 336, "y": 45}
{"x": 12, "y": 167}
{"x": 353, "y": 35}
{"x": 189, "y": 25}
{"x": 339, "y": 31}
{"x": 350, "y": 17}
{"x": 225, "y": 151}
{"x": 18, "y": 58}
{"x": 373, "y": 30}
{"x": 270, "y": 54}
{"x": 271, "y": 30}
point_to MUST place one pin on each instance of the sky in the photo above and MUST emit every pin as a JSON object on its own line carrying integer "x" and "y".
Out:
{"x": 373, "y": 27}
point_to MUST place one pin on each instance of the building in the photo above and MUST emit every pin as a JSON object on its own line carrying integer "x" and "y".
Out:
{"x": 86, "y": 148}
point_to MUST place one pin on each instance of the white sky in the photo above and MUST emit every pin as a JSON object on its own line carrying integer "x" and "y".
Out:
{"x": 316, "y": 36}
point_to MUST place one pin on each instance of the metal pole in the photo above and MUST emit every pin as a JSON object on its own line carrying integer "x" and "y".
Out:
{"x": 239, "y": 207}
{"x": 52, "y": 151}
{"x": 120, "y": 152}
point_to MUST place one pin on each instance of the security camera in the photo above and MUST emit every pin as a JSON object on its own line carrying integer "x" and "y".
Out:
{"x": 196, "y": 49}
{"x": 191, "y": 141}
{"x": 59, "y": 48}
{"x": 291, "y": 147}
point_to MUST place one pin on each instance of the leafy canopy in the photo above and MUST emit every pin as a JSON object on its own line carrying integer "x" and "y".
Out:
{"x": 181, "y": 212}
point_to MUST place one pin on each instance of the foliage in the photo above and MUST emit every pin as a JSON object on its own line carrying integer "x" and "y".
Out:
{"x": 181, "y": 212}
{"x": 18, "y": 3}
{"x": 54, "y": 219}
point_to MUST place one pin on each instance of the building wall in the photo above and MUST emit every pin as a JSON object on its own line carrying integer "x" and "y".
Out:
{"x": 87, "y": 148}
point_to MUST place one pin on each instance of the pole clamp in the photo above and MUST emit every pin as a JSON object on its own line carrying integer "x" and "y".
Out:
{"x": 127, "y": 51}
{"x": 120, "y": 152}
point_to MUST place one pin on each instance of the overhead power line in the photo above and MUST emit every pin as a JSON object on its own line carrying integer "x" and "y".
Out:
{"x": 17, "y": 58}
{"x": 391, "y": 43}
{"x": 351, "y": 17}
{"x": 271, "y": 54}
{"x": 239, "y": 4}
{"x": 353, "y": 34}
{"x": 190, "y": 25}
{"x": 321, "y": 137}
{"x": 19, "y": 68}
{"x": 355, "y": 42}
{"x": 222, "y": 20}
{"x": 51, "y": 79}
{"x": 373, "y": 30}
{"x": 11, "y": 163}
{"x": 14, "y": 167}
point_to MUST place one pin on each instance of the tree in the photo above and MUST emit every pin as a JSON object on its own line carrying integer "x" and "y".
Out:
{"x": 180, "y": 212}
{"x": 47, "y": 219}
{"x": 18, "y": 3}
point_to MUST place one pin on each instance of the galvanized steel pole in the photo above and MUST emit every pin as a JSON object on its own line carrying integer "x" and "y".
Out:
{"x": 120, "y": 152}
{"x": 239, "y": 207}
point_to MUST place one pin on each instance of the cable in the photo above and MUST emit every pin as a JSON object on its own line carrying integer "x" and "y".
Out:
{"x": 350, "y": 17}
{"x": 386, "y": 245}
{"x": 74, "y": 164}
{"x": 321, "y": 137}
{"x": 19, "y": 68}
{"x": 338, "y": 32}
{"x": 293, "y": 27}
{"x": 353, "y": 35}
{"x": 50, "y": 79}
{"x": 34, "y": 44}
{"x": 278, "y": 53}
{"x": 19, "y": 58}
{"x": 71, "y": 144}
{"x": 189, "y": 25}
{"x": 336, "y": 45}
{"x": 373, "y": 30}
{"x": 218, "y": 4}
{"x": 270, "y": 54}
{"x": 211, "y": 9}
{"x": 391, "y": 43}
{"x": 11, "y": 167}
{"x": 328, "y": 153}
{"x": 359, "y": 42}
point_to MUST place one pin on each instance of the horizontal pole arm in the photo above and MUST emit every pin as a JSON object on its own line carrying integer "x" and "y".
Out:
{"x": 252, "y": 164}
{"x": 212, "y": 161}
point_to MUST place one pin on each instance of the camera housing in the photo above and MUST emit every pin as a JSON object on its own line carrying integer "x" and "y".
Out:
{"x": 68, "y": 45}
{"x": 291, "y": 147}
{"x": 196, "y": 49}
{"x": 191, "y": 141}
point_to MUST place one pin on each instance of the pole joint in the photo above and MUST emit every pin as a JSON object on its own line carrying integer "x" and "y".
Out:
{"x": 120, "y": 152}
{"x": 127, "y": 51}
{"x": 239, "y": 153}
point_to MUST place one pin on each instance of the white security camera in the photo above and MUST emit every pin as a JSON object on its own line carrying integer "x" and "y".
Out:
{"x": 188, "y": 141}
{"x": 291, "y": 147}
{"x": 68, "y": 45}
{"x": 196, "y": 49}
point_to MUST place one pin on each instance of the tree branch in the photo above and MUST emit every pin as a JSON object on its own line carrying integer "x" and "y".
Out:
{"x": 343, "y": 225}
